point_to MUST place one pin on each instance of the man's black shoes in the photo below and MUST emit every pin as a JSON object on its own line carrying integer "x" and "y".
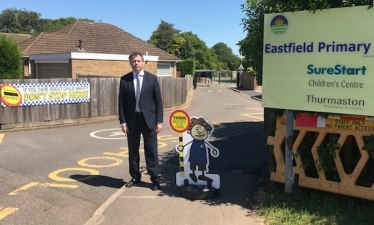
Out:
{"x": 135, "y": 182}
{"x": 132, "y": 182}
{"x": 156, "y": 187}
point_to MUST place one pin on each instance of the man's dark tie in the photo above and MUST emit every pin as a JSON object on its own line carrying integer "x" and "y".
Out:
{"x": 137, "y": 93}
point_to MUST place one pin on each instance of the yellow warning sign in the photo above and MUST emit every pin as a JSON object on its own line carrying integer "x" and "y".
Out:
{"x": 179, "y": 121}
{"x": 10, "y": 95}
{"x": 356, "y": 125}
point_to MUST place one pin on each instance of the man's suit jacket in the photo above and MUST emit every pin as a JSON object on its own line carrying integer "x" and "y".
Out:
{"x": 150, "y": 100}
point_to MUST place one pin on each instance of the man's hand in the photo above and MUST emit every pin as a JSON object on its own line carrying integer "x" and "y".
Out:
{"x": 158, "y": 128}
{"x": 125, "y": 130}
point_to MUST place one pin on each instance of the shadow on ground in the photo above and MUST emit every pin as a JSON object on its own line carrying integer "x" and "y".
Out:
{"x": 98, "y": 180}
{"x": 240, "y": 163}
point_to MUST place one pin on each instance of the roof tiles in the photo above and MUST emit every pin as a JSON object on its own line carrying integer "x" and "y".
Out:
{"x": 96, "y": 38}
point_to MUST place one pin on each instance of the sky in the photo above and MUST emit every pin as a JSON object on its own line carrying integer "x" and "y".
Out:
{"x": 213, "y": 21}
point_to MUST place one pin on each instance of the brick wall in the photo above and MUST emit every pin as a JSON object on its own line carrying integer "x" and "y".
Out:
{"x": 106, "y": 67}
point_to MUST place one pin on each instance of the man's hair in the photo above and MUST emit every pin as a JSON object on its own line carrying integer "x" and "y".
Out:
{"x": 136, "y": 54}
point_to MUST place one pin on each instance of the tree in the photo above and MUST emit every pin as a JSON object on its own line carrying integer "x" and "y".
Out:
{"x": 19, "y": 21}
{"x": 28, "y": 22}
{"x": 176, "y": 45}
{"x": 49, "y": 25}
{"x": 226, "y": 56}
{"x": 203, "y": 56}
{"x": 10, "y": 58}
{"x": 163, "y": 36}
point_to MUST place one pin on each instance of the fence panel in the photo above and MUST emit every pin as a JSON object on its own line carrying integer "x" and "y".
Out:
{"x": 103, "y": 101}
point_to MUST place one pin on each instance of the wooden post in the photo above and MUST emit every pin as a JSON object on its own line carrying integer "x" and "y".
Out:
{"x": 288, "y": 151}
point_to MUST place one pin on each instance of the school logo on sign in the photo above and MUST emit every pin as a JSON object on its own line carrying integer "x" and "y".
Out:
{"x": 279, "y": 24}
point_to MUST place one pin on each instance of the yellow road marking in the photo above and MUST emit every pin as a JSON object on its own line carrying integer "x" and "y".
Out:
{"x": 55, "y": 174}
{"x": 83, "y": 162}
{"x": 1, "y": 137}
{"x": 33, "y": 184}
{"x": 255, "y": 117}
{"x": 23, "y": 188}
{"x": 4, "y": 212}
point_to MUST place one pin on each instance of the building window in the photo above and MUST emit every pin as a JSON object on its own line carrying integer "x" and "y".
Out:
{"x": 163, "y": 70}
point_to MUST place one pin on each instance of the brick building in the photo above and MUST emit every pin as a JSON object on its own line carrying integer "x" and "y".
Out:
{"x": 89, "y": 48}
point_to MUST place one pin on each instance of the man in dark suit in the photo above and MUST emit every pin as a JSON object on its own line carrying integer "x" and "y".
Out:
{"x": 140, "y": 111}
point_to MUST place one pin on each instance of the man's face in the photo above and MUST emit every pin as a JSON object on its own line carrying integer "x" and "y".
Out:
{"x": 136, "y": 63}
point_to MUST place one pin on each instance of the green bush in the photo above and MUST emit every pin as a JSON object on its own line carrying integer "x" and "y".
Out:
{"x": 10, "y": 58}
{"x": 187, "y": 66}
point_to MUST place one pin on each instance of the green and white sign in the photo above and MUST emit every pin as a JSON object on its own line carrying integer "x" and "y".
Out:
{"x": 322, "y": 61}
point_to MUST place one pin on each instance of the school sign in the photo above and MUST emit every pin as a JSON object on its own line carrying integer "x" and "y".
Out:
{"x": 322, "y": 61}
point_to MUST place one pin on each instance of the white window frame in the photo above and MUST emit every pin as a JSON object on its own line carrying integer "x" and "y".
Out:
{"x": 163, "y": 64}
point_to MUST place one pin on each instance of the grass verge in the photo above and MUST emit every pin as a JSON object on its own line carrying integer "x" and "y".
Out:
{"x": 307, "y": 206}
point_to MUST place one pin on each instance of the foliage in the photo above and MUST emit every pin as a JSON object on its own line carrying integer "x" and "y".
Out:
{"x": 187, "y": 67}
{"x": 186, "y": 51}
{"x": 10, "y": 59}
{"x": 19, "y": 21}
{"x": 369, "y": 145}
{"x": 28, "y": 22}
{"x": 226, "y": 56}
{"x": 188, "y": 45}
{"x": 50, "y": 25}
{"x": 203, "y": 56}
{"x": 176, "y": 45}
{"x": 164, "y": 35}
{"x": 326, "y": 155}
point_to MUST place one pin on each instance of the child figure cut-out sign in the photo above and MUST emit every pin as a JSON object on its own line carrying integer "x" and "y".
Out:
{"x": 194, "y": 153}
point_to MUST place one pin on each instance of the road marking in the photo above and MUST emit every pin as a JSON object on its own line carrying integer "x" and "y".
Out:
{"x": 1, "y": 137}
{"x": 259, "y": 109}
{"x": 255, "y": 117}
{"x": 33, "y": 184}
{"x": 4, "y": 212}
{"x": 54, "y": 175}
{"x": 59, "y": 185}
{"x": 96, "y": 216}
{"x": 24, "y": 188}
{"x": 114, "y": 133}
{"x": 83, "y": 162}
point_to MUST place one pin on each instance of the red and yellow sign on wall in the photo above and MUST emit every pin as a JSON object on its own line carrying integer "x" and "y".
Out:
{"x": 10, "y": 95}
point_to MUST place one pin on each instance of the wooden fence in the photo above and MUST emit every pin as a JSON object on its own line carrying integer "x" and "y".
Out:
{"x": 346, "y": 182}
{"x": 103, "y": 102}
{"x": 248, "y": 81}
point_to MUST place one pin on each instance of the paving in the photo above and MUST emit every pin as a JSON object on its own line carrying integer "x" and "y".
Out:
{"x": 141, "y": 205}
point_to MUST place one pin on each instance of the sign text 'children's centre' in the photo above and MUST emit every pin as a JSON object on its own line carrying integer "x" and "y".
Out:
{"x": 322, "y": 61}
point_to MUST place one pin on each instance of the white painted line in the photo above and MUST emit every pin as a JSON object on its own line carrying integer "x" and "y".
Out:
{"x": 99, "y": 212}
{"x": 115, "y": 133}
{"x": 1, "y": 137}
{"x": 255, "y": 117}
